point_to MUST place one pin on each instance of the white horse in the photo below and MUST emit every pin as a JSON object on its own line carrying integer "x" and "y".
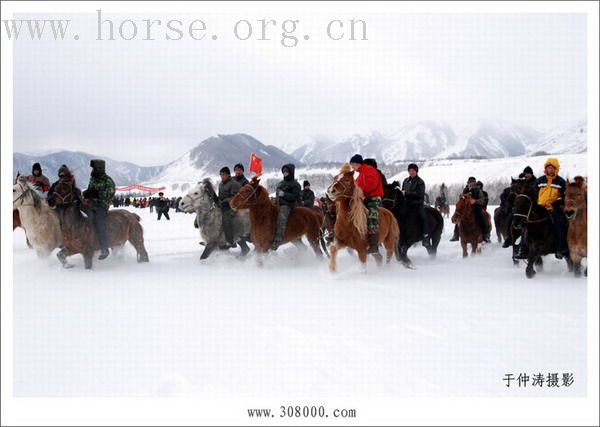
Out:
{"x": 39, "y": 220}
{"x": 203, "y": 200}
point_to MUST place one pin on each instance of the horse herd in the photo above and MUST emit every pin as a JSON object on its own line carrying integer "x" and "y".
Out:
{"x": 342, "y": 220}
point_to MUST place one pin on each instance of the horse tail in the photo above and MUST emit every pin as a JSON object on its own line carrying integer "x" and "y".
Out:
{"x": 139, "y": 218}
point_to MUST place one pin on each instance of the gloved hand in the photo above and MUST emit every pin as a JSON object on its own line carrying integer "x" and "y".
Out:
{"x": 281, "y": 193}
{"x": 557, "y": 204}
{"x": 90, "y": 194}
{"x": 225, "y": 205}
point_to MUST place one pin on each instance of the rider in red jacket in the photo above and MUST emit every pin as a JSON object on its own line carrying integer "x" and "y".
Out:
{"x": 369, "y": 182}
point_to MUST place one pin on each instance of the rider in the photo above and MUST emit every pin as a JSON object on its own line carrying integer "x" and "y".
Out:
{"x": 288, "y": 196}
{"x": 64, "y": 175}
{"x": 477, "y": 200}
{"x": 228, "y": 187}
{"x": 485, "y": 196}
{"x": 39, "y": 181}
{"x": 100, "y": 191}
{"x": 369, "y": 181}
{"x": 373, "y": 162}
{"x": 239, "y": 177}
{"x": 550, "y": 193}
{"x": 414, "y": 191}
{"x": 307, "y": 195}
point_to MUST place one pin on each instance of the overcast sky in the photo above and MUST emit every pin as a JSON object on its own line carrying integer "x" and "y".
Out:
{"x": 151, "y": 101}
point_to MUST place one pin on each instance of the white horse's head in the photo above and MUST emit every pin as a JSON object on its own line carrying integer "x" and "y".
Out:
{"x": 201, "y": 197}
{"x": 24, "y": 194}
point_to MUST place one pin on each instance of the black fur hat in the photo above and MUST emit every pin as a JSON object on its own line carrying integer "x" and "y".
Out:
{"x": 528, "y": 170}
{"x": 225, "y": 170}
{"x": 239, "y": 166}
{"x": 413, "y": 166}
{"x": 306, "y": 184}
{"x": 357, "y": 158}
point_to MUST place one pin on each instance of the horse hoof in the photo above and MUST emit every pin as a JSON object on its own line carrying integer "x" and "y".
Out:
{"x": 67, "y": 265}
{"x": 530, "y": 274}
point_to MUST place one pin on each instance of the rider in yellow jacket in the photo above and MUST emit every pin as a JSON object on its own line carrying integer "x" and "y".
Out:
{"x": 550, "y": 192}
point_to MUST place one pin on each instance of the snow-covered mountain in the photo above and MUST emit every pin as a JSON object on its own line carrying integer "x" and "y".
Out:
{"x": 563, "y": 141}
{"x": 123, "y": 173}
{"x": 438, "y": 140}
{"x": 208, "y": 157}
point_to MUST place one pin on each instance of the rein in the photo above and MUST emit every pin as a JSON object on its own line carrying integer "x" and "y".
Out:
{"x": 527, "y": 220}
{"x": 22, "y": 196}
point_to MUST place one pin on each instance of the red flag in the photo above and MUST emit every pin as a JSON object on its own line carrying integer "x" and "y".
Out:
{"x": 255, "y": 164}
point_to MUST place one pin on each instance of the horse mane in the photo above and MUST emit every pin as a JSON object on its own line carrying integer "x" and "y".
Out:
{"x": 345, "y": 168}
{"x": 358, "y": 211}
{"x": 35, "y": 194}
{"x": 208, "y": 185}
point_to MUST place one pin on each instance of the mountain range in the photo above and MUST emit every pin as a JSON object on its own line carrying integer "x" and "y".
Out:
{"x": 419, "y": 142}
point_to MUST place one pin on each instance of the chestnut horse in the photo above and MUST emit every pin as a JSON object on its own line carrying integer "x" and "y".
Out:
{"x": 263, "y": 220}
{"x": 351, "y": 221}
{"x": 79, "y": 236}
{"x": 469, "y": 231}
{"x": 576, "y": 212}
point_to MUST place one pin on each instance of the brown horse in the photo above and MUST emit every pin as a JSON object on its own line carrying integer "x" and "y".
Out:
{"x": 351, "y": 221}
{"x": 443, "y": 208}
{"x": 576, "y": 212}
{"x": 78, "y": 232}
{"x": 263, "y": 220}
{"x": 469, "y": 231}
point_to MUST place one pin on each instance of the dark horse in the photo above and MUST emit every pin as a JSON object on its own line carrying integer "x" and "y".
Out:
{"x": 410, "y": 223}
{"x": 78, "y": 232}
{"x": 442, "y": 206}
{"x": 539, "y": 231}
{"x": 263, "y": 219}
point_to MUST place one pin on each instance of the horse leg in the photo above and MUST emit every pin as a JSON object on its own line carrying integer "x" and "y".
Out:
{"x": 530, "y": 271}
{"x": 208, "y": 249}
{"x": 333, "y": 257}
{"x": 403, "y": 256}
{"x": 136, "y": 238}
{"x": 389, "y": 250}
{"x": 62, "y": 257}
{"x": 378, "y": 259}
{"x": 463, "y": 244}
{"x": 87, "y": 260}
{"x": 313, "y": 235}
{"x": 569, "y": 263}
{"x": 362, "y": 257}
{"x": 244, "y": 247}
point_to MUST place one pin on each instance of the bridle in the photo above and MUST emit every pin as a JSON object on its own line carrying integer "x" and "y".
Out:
{"x": 246, "y": 199}
{"x": 24, "y": 193}
{"x": 67, "y": 199}
{"x": 343, "y": 193}
{"x": 527, "y": 220}
{"x": 395, "y": 199}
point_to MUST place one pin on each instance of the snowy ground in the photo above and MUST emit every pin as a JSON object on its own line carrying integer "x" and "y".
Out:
{"x": 226, "y": 328}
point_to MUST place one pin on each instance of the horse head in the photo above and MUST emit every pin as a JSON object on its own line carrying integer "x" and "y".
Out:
{"x": 393, "y": 198}
{"x": 574, "y": 200}
{"x": 343, "y": 184}
{"x": 463, "y": 208}
{"x": 64, "y": 192}
{"x": 522, "y": 207}
{"x": 24, "y": 194}
{"x": 521, "y": 186}
{"x": 201, "y": 196}
{"x": 250, "y": 194}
